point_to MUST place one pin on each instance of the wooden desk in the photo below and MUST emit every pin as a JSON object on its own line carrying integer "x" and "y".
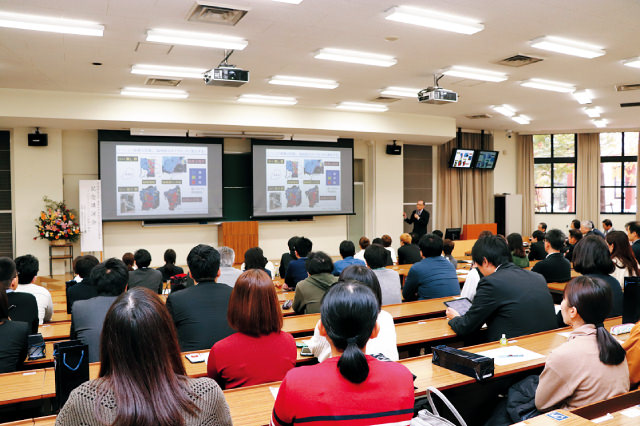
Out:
{"x": 21, "y": 386}
{"x": 612, "y": 405}
{"x": 59, "y": 316}
{"x": 55, "y": 331}
{"x": 473, "y": 230}
{"x": 545, "y": 420}
{"x": 461, "y": 248}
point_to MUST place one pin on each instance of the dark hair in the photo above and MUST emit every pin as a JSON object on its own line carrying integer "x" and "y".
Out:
{"x": 303, "y": 246}
{"x": 27, "y": 267}
{"x": 142, "y": 378}
{"x": 7, "y": 272}
{"x": 415, "y": 238}
{"x": 203, "y": 262}
{"x": 292, "y": 246}
{"x": 592, "y": 298}
{"x": 364, "y": 242}
{"x": 348, "y": 313}
{"x": 110, "y": 278}
{"x": 438, "y": 233}
{"x": 575, "y": 223}
{"x": 128, "y": 260}
{"x": 254, "y": 308}
{"x": 538, "y": 235}
{"x": 318, "y": 262}
{"x": 448, "y": 246}
{"x": 386, "y": 240}
{"x": 622, "y": 251}
{"x": 85, "y": 264}
{"x": 576, "y": 234}
{"x": 430, "y": 245}
{"x": 365, "y": 276}
{"x": 142, "y": 258}
{"x": 170, "y": 256}
{"x": 375, "y": 256}
{"x": 492, "y": 248}
{"x": 607, "y": 222}
{"x": 591, "y": 256}
{"x": 555, "y": 238}
{"x": 633, "y": 227}
{"x": 514, "y": 241}
{"x": 485, "y": 233}
{"x": 377, "y": 241}
{"x": 544, "y": 226}
{"x": 347, "y": 248}
{"x": 4, "y": 305}
{"x": 254, "y": 259}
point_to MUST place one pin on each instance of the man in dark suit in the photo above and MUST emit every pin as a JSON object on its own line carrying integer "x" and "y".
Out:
{"x": 200, "y": 312}
{"x": 296, "y": 270}
{"x": 83, "y": 289}
{"x": 587, "y": 228}
{"x": 510, "y": 300}
{"x": 22, "y": 306}
{"x": 554, "y": 268}
{"x": 419, "y": 218}
{"x": 536, "y": 251}
{"x": 145, "y": 276}
{"x": 633, "y": 231}
{"x": 87, "y": 316}
{"x": 408, "y": 253}
{"x": 574, "y": 236}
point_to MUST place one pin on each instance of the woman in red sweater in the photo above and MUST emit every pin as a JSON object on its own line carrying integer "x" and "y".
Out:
{"x": 260, "y": 352}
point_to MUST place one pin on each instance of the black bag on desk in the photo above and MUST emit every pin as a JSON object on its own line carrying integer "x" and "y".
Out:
{"x": 477, "y": 366}
{"x": 36, "y": 347}
{"x": 71, "y": 363}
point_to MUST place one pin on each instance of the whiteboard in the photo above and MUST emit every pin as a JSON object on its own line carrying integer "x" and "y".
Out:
{"x": 90, "y": 215}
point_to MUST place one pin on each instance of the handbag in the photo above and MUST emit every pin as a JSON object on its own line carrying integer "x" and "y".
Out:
{"x": 71, "y": 367}
{"x": 178, "y": 282}
{"x": 36, "y": 347}
{"x": 433, "y": 418}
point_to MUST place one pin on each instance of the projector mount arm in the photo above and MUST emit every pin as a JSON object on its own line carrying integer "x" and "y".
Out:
{"x": 224, "y": 63}
{"x": 436, "y": 80}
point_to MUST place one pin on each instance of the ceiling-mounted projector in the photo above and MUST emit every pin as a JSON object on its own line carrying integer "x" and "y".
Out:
{"x": 226, "y": 76}
{"x": 437, "y": 95}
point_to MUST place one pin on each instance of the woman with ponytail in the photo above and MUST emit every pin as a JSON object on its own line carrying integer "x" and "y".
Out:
{"x": 591, "y": 366}
{"x": 350, "y": 388}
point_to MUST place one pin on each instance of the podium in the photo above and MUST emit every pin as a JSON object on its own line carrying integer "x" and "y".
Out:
{"x": 240, "y": 236}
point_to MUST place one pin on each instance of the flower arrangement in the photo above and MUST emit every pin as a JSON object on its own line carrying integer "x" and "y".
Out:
{"x": 56, "y": 222}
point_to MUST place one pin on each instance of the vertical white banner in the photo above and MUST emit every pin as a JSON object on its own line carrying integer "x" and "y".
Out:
{"x": 90, "y": 215}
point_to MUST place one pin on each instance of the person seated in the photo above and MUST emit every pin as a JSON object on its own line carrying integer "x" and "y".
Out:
{"x": 228, "y": 274}
{"x": 144, "y": 276}
{"x": 554, "y": 268}
{"x": 447, "y": 248}
{"x": 22, "y": 306}
{"x": 536, "y": 249}
{"x": 13, "y": 334}
{"x": 129, "y": 260}
{"x": 591, "y": 365}
{"x": 385, "y": 343}
{"x": 350, "y": 384}
{"x": 575, "y": 224}
{"x": 633, "y": 232}
{"x": 408, "y": 253}
{"x": 254, "y": 259}
{"x": 376, "y": 257}
{"x": 170, "y": 269}
{"x": 607, "y": 226}
{"x": 574, "y": 236}
{"x": 632, "y": 348}
{"x": 27, "y": 267}
{"x": 199, "y": 312}
{"x": 434, "y": 276}
{"x": 87, "y": 316}
{"x": 142, "y": 380}
{"x": 296, "y": 271}
{"x": 622, "y": 256}
{"x": 438, "y": 233}
{"x": 386, "y": 243}
{"x": 542, "y": 227}
{"x": 84, "y": 288}
{"x": 347, "y": 250}
{"x": 309, "y": 292}
{"x": 260, "y": 352}
{"x": 587, "y": 228}
{"x": 287, "y": 257}
{"x": 516, "y": 247}
{"x": 388, "y": 260}
{"x": 471, "y": 283}
{"x": 363, "y": 243}
{"x": 510, "y": 300}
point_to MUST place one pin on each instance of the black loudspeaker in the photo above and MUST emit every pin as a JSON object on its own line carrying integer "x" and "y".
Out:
{"x": 38, "y": 139}
{"x": 394, "y": 149}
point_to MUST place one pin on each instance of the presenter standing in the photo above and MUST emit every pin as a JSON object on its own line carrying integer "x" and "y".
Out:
{"x": 419, "y": 218}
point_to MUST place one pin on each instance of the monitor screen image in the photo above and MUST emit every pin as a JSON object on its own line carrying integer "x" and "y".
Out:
{"x": 461, "y": 158}
{"x": 486, "y": 160}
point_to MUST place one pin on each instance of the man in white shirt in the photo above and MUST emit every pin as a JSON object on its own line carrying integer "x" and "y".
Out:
{"x": 27, "y": 267}
{"x": 363, "y": 243}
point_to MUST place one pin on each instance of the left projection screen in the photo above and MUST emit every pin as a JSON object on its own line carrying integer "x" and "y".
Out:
{"x": 156, "y": 180}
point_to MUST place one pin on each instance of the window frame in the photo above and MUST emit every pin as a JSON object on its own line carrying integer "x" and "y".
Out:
{"x": 619, "y": 159}
{"x": 552, "y": 160}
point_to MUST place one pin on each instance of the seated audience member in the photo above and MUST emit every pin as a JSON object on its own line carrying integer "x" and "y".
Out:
{"x": 389, "y": 279}
{"x": 632, "y": 347}
{"x": 144, "y": 276}
{"x": 199, "y": 312}
{"x": 384, "y": 343}
{"x": 228, "y": 274}
{"x": 309, "y": 292}
{"x": 13, "y": 334}
{"x": 554, "y": 268}
{"x": 254, "y": 259}
{"x": 575, "y": 224}
{"x": 27, "y": 267}
{"x": 350, "y": 384}
{"x": 447, "y": 248}
{"x": 587, "y": 228}
{"x": 516, "y": 247}
{"x": 408, "y": 253}
{"x": 22, "y": 306}
{"x": 542, "y": 227}
{"x": 591, "y": 365}
{"x": 170, "y": 269}
{"x": 363, "y": 243}
{"x": 347, "y": 250}
{"x": 297, "y": 271}
{"x": 129, "y": 260}
{"x": 84, "y": 288}
{"x": 434, "y": 276}
{"x": 509, "y": 299}
{"x": 574, "y": 236}
{"x": 633, "y": 232}
{"x": 438, "y": 233}
{"x": 471, "y": 284}
{"x": 536, "y": 249}
{"x": 87, "y": 316}
{"x": 142, "y": 380}
{"x": 260, "y": 352}
{"x": 386, "y": 243}
{"x": 287, "y": 257}
{"x": 388, "y": 260}
{"x": 622, "y": 256}
{"x": 607, "y": 225}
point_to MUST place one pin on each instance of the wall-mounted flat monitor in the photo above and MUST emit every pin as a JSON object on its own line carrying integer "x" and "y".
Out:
{"x": 461, "y": 158}
{"x": 486, "y": 160}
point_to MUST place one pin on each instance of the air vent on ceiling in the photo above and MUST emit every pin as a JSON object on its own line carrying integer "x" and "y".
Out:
{"x": 385, "y": 99}
{"x": 627, "y": 87}
{"x": 213, "y": 14}
{"x": 477, "y": 116}
{"x": 519, "y": 60}
{"x": 162, "y": 82}
{"x": 629, "y": 104}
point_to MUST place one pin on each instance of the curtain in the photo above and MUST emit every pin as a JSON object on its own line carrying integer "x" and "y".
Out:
{"x": 525, "y": 183}
{"x": 588, "y": 178}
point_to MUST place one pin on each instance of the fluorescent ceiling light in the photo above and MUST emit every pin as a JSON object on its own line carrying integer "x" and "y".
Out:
{"x": 407, "y": 92}
{"x": 505, "y": 110}
{"x": 146, "y": 92}
{"x": 49, "y": 24}
{"x": 583, "y": 97}
{"x": 355, "y": 57}
{"x": 188, "y": 38}
{"x": 600, "y": 123}
{"x": 289, "y": 1}
{"x": 267, "y": 100}
{"x": 288, "y": 80}
{"x": 593, "y": 112}
{"x": 521, "y": 119}
{"x": 633, "y": 62}
{"x": 164, "y": 71}
{"x": 360, "y": 106}
{"x": 436, "y": 20}
{"x": 568, "y": 47}
{"x": 475, "y": 74}
{"x": 555, "y": 86}
{"x": 158, "y": 132}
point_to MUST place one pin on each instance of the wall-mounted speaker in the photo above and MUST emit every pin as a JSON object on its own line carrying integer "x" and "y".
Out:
{"x": 394, "y": 149}
{"x": 38, "y": 139}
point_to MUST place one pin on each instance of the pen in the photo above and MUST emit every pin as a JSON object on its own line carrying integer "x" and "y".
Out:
{"x": 510, "y": 356}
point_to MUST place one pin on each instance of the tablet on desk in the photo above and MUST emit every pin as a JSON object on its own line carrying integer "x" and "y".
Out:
{"x": 461, "y": 305}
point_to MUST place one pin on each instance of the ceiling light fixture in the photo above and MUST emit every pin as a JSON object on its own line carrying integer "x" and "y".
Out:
{"x": 521, "y": 119}
{"x": 554, "y": 86}
{"x": 435, "y": 20}
{"x": 165, "y": 71}
{"x": 583, "y": 97}
{"x": 633, "y": 62}
{"x": 361, "y": 106}
{"x": 475, "y": 74}
{"x": 49, "y": 24}
{"x": 593, "y": 112}
{"x": 568, "y": 47}
{"x": 405, "y": 92}
{"x": 317, "y": 83}
{"x": 267, "y": 100}
{"x": 145, "y": 92}
{"x": 600, "y": 123}
{"x": 355, "y": 57}
{"x": 158, "y": 132}
{"x": 289, "y": 1}
{"x": 188, "y": 38}
{"x": 505, "y": 110}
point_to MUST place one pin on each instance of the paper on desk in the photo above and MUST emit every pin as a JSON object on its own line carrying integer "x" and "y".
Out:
{"x": 603, "y": 418}
{"x": 631, "y": 412}
{"x": 564, "y": 334}
{"x": 274, "y": 391}
{"x": 462, "y": 272}
{"x": 205, "y": 357}
{"x": 510, "y": 355}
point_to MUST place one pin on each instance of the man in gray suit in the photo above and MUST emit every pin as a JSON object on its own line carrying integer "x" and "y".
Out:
{"x": 87, "y": 316}
{"x": 144, "y": 276}
{"x": 228, "y": 274}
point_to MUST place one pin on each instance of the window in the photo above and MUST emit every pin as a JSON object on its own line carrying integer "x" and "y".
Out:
{"x": 618, "y": 172}
{"x": 554, "y": 158}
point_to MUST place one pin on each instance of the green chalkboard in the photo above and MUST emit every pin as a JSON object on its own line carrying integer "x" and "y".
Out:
{"x": 237, "y": 199}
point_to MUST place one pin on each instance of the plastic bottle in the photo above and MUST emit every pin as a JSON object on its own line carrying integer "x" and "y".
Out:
{"x": 503, "y": 340}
